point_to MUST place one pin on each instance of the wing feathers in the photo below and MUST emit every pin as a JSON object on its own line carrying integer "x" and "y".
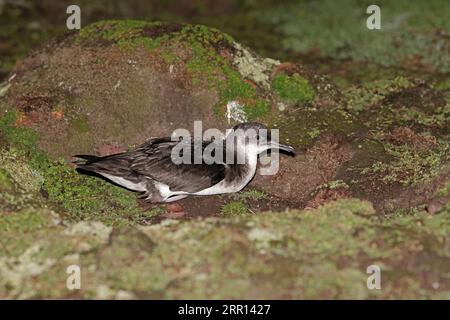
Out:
{"x": 152, "y": 159}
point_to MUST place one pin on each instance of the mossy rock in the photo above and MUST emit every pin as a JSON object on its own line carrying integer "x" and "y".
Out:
{"x": 404, "y": 154}
{"x": 120, "y": 82}
{"x": 113, "y": 84}
{"x": 250, "y": 256}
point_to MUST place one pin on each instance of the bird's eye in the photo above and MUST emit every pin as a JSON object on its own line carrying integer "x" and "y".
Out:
{"x": 257, "y": 137}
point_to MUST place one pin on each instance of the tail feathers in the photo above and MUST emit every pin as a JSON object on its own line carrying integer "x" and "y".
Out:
{"x": 116, "y": 165}
{"x": 85, "y": 159}
{"x": 115, "y": 168}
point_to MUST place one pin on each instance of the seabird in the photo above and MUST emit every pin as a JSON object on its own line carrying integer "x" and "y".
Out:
{"x": 150, "y": 170}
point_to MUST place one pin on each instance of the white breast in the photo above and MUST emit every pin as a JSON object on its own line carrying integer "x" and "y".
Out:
{"x": 219, "y": 188}
{"x": 223, "y": 187}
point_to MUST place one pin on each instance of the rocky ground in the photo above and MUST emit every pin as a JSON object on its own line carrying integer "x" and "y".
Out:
{"x": 369, "y": 184}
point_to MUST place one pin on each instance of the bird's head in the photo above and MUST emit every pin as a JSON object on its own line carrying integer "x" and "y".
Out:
{"x": 255, "y": 138}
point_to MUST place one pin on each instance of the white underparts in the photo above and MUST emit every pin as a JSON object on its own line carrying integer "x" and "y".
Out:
{"x": 234, "y": 186}
{"x": 126, "y": 183}
{"x": 168, "y": 195}
{"x": 220, "y": 187}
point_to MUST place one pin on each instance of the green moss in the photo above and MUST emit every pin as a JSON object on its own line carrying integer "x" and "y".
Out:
{"x": 22, "y": 175}
{"x": 293, "y": 89}
{"x": 251, "y": 194}
{"x": 21, "y": 229}
{"x": 205, "y": 35}
{"x": 318, "y": 122}
{"x": 15, "y": 135}
{"x": 209, "y": 68}
{"x": 257, "y": 110}
{"x": 205, "y": 65}
{"x": 444, "y": 191}
{"x": 234, "y": 208}
{"x": 245, "y": 256}
{"x": 22, "y": 142}
{"x": 128, "y": 34}
{"x": 236, "y": 88}
{"x": 19, "y": 183}
{"x": 373, "y": 92}
{"x": 89, "y": 198}
{"x": 407, "y": 115}
{"x": 267, "y": 259}
{"x": 169, "y": 56}
{"x": 238, "y": 204}
{"x": 443, "y": 85}
{"x": 20, "y": 223}
{"x": 409, "y": 166}
{"x": 80, "y": 124}
{"x": 385, "y": 105}
{"x": 335, "y": 184}
{"x": 314, "y": 132}
{"x": 82, "y": 197}
{"x": 5, "y": 180}
{"x": 156, "y": 211}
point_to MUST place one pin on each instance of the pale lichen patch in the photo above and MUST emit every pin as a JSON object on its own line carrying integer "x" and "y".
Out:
{"x": 15, "y": 270}
{"x": 24, "y": 177}
{"x": 236, "y": 112}
{"x": 252, "y": 67}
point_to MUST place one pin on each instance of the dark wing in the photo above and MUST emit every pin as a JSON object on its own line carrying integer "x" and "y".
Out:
{"x": 153, "y": 159}
{"x": 117, "y": 165}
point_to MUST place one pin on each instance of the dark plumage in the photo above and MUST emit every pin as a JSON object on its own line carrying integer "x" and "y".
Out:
{"x": 149, "y": 169}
